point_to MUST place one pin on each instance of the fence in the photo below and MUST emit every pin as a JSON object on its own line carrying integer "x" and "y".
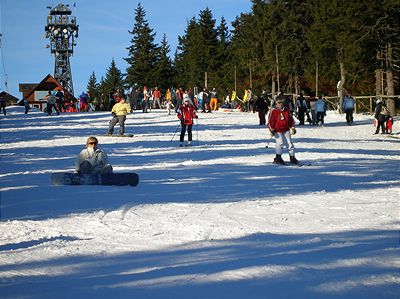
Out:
{"x": 364, "y": 104}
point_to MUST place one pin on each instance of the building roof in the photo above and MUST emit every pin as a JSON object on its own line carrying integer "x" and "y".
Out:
{"x": 10, "y": 99}
{"x": 48, "y": 83}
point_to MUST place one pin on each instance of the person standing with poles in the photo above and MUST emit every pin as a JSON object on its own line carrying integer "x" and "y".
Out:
{"x": 281, "y": 126}
{"x": 186, "y": 114}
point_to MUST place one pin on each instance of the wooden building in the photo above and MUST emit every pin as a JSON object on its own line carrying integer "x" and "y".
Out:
{"x": 10, "y": 99}
{"x": 36, "y": 93}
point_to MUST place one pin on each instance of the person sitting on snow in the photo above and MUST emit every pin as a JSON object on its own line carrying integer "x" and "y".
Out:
{"x": 92, "y": 159}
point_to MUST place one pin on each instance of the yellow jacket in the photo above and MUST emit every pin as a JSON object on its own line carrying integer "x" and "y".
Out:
{"x": 121, "y": 108}
{"x": 246, "y": 96}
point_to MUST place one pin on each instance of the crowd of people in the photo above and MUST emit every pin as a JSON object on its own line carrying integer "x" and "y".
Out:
{"x": 277, "y": 112}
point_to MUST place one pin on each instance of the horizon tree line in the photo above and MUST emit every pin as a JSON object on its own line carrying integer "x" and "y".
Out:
{"x": 279, "y": 46}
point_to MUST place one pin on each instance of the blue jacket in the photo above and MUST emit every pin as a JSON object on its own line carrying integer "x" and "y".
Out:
{"x": 320, "y": 106}
{"x": 348, "y": 103}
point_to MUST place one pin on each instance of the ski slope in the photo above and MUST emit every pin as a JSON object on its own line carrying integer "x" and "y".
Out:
{"x": 215, "y": 220}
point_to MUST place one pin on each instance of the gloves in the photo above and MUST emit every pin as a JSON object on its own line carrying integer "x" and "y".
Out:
{"x": 113, "y": 114}
{"x": 293, "y": 131}
{"x": 272, "y": 132}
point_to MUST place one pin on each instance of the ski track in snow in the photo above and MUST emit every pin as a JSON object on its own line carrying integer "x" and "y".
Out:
{"x": 214, "y": 220}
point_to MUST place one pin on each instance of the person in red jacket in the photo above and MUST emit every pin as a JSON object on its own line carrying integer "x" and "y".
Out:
{"x": 186, "y": 114}
{"x": 281, "y": 126}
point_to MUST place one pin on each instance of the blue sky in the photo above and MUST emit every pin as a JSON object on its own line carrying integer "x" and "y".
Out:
{"x": 103, "y": 34}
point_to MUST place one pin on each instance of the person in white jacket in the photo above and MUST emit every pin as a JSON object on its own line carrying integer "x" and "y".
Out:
{"x": 92, "y": 159}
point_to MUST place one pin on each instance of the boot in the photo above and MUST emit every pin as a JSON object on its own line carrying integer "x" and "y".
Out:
{"x": 293, "y": 160}
{"x": 278, "y": 160}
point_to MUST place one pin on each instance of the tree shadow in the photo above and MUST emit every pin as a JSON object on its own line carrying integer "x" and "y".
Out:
{"x": 349, "y": 264}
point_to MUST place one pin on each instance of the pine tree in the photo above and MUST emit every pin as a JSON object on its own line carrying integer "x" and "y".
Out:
{"x": 113, "y": 79}
{"x": 163, "y": 72}
{"x": 189, "y": 57}
{"x": 223, "y": 68}
{"x": 208, "y": 47}
{"x": 92, "y": 87}
{"x": 142, "y": 53}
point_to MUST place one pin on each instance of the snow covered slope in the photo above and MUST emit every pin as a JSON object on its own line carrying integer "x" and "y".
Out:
{"x": 216, "y": 220}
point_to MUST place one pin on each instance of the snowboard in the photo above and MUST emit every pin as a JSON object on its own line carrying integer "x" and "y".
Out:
{"x": 110, "y": 179}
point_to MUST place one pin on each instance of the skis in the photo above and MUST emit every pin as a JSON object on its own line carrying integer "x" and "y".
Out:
{"x": 125, "y": 135}
{"x": 300, "y": 164}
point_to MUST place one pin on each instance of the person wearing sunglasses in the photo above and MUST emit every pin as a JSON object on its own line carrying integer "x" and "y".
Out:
{"x": 92, "y": 159}
{"x": 186, "y": 114}
{"x": 281, "y": 126}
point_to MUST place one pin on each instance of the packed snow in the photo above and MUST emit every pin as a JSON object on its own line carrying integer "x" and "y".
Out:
{"x": 214, "y": 220}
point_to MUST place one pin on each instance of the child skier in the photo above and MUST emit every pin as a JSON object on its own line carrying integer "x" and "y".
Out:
{"x": 186, "y": 114}
{"x": 281, "y": 126}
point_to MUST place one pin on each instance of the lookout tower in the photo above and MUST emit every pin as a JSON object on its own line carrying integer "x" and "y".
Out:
{"x": 62, "y": 30}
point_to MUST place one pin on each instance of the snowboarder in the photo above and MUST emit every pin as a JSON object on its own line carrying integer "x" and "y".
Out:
{"x": 281, "y": 126}
{"x": 186, "y": 114}
{"x": 119, "y": 112}
{"x": 348, "y": 108}
{"x": 92, "y": 159}
{"x": 381, "y": 115}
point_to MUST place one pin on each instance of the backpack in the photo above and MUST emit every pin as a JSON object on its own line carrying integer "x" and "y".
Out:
{"x": 384, "y": 110}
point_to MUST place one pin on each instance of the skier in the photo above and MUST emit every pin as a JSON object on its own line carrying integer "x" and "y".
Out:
{"x": 26, "y": 105}
{"x": 119, "y": 112}
{"x": 312, "y": 102}
{"x": 3, "y": 104}
{"x": 60, "y": 100}
{"x": 261, "y": 105}
{"x": 214, "y": 100}
{"x": 92, "y": 159}
{"x": 83, "y": 102}
{"x": 348, "y": 108}
{"x": 281, "y": 126}
{"x": 186, "y": 114}
{"x": 145, "y": 100}
{"x": 302, "y": 109}
{"x": 156, "y": 98}
{"x": 381, "y": 115}
{"x": 51, "y": 103}
{"x": 320, "y": 108}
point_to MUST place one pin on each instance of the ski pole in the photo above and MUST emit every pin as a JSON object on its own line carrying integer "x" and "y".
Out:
{"x": 269, "y": 141}
{"x": 176, "y": 130}
{"x": 197, "y": 131}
